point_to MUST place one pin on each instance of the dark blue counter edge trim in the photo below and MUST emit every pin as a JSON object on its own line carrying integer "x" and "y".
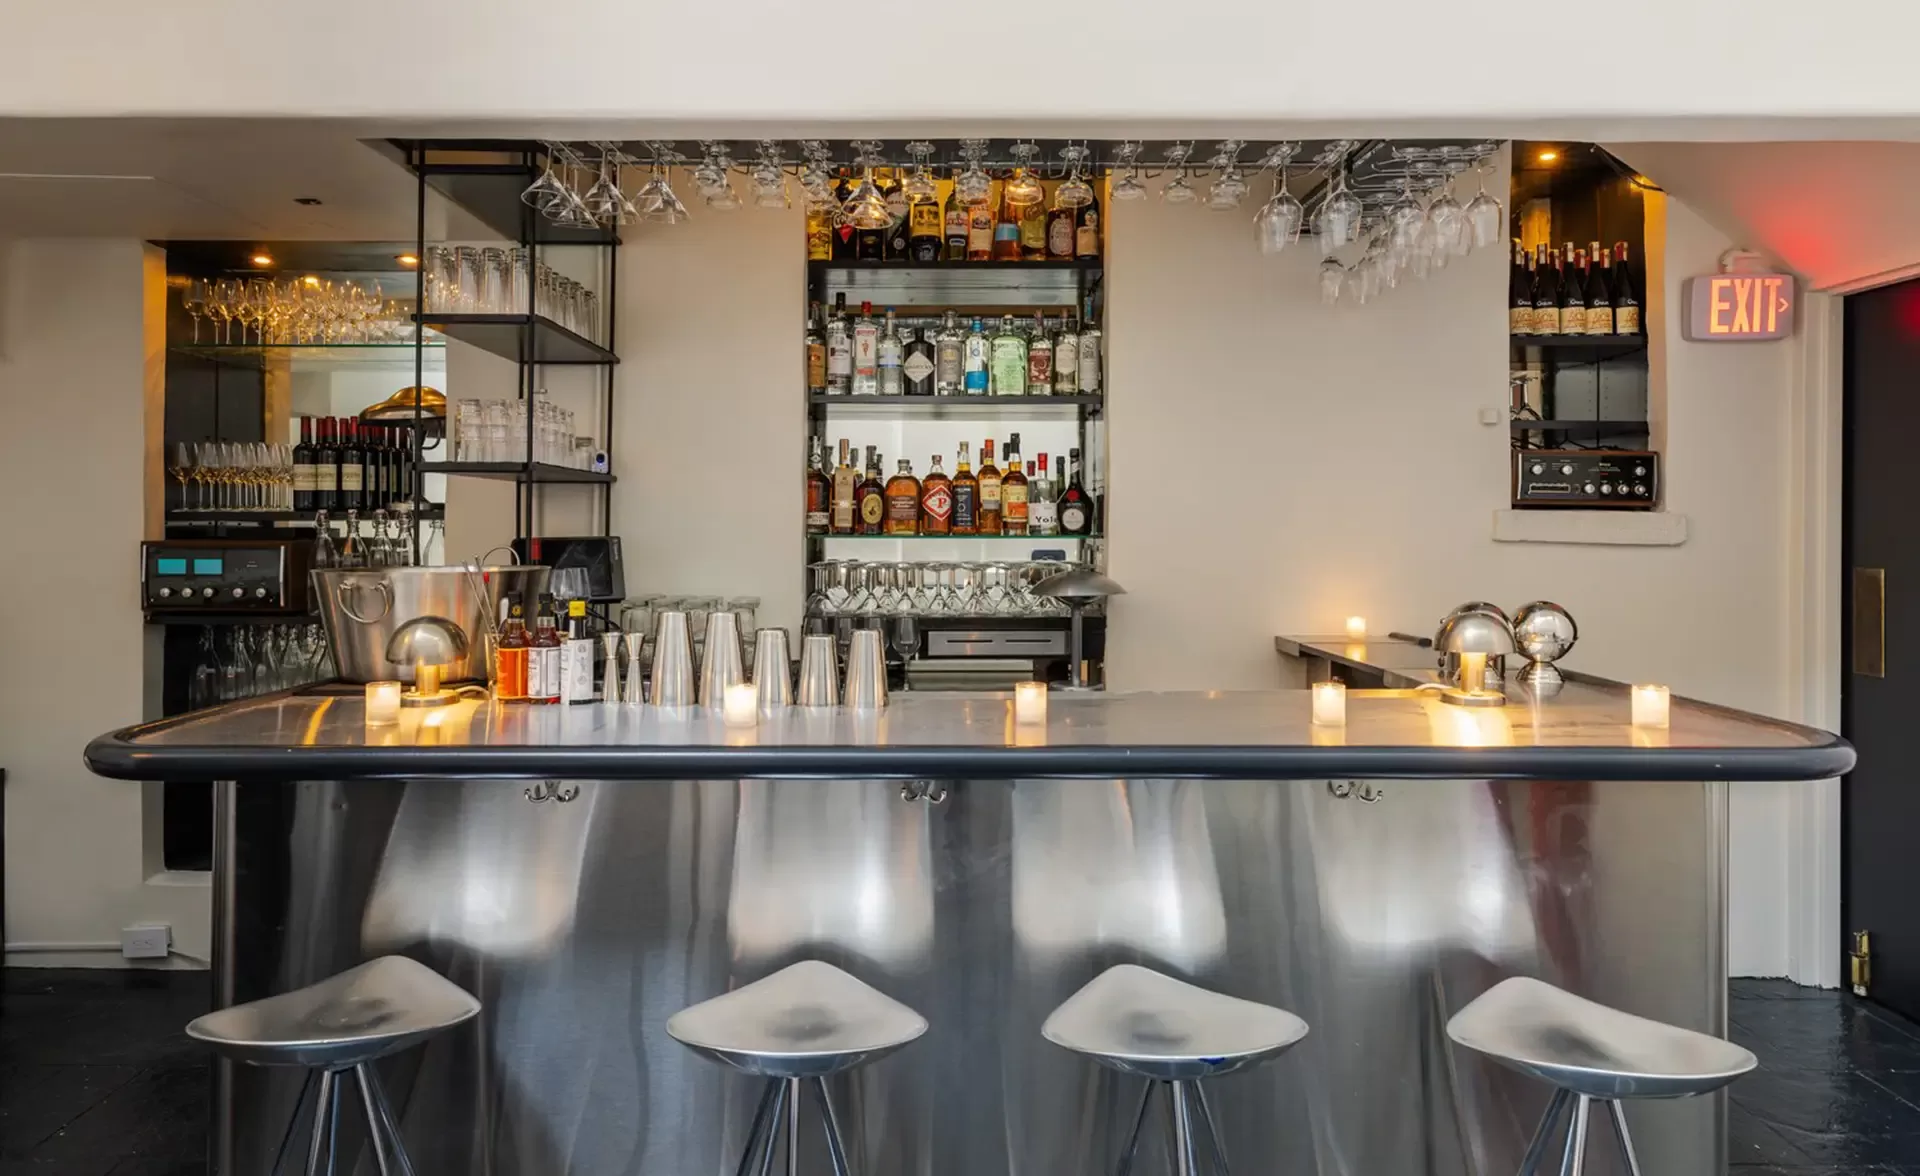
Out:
{"x": 115, "y": 756}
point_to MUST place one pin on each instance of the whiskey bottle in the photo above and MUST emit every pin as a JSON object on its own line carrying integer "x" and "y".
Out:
{"x": 1066, "y": 358}
{"x": 892, "y": 352}
{"x": 1013, "y": 491}
{"x": 903, "y": 501}
{"x": 839, "y": 349}
{"x": 816, "y": 354}
{"x": 1043, "y": 514}
{"x": 976, "y": 361}
{"x": 1040, "y": 359}
{"x": 917, "y": 368}
{"x": 924, "y": 225}
{"x": 1006, "y": 232}
{"x": 956, "y": 223}
{"x": 966, "y": 496}
{"x": 845, "y": 482}
{"x": 989, "y": 510}
{"x": 819, "y": 233}
{"x": 898, "y": 245}
{"x": 1008, "y": 376}
{"x": 948, "y": 348}
{"x": 819, "y": 491}
{"x": 936, "y": 501}
{"x": 1090, "y": 340}
{"x": 980, "y": 230}
{"x": 871, "y": 498}
{"x": 866, "y": 353}
{"x": 1061, "y": 223}
{"x": 1076, "y": 509}
{"x": 1626, "y": 305}
{"x": 1086, "y": 232}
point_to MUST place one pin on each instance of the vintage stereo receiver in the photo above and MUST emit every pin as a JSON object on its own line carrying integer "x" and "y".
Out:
{"x": 263, "y": 576}
{"x": 1587, "y": 478}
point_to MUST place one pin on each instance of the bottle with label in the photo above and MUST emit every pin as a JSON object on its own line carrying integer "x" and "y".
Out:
{"x": 1040, "y": 359}
{"x": 891, "y": 352}
{"x": 1626, "y": 304}
{"x": 1061, "y": 223}
{"x": 839, "y": 349}
{"x": 956, "y": 228}
{"x": 576, "y": 657}
{"x": 866, "y": 353}
{"x": 948, "y": 362}
{"x": 816, "y": 354}
{"x": 543, "y": 656}
{"x": 1013, "y": 491}
{"x": 326, "y": 468}
{"x": 1573, "y": 292}
{"x": 1519, "y": 293}
{"x": 845, "y": 481}
{"x": 871, "y": 244}
{"x": 989, "y": 479}
{"x": 1043, "y": 515}
{"x": 1008, "y": 375}
{"x": 510, "y": 655}
{"x": 1546, "y": 294}
{"x": 819, "y": 490}
{"x": 845, "y": 238}
{"x": 1006, "y": 232}
{"x": 1066, "y": 358}
{"x": 966, "y": 497}
{"x": 976, "y": 361}
{"x": 1599, "y": 291}
{"x": 1033, "y": 231}
{"x": 1076, "y": 509}
{"x": 980, "y": 231}
{"x": 819, "y": 233}
{"x": 1090, "y": 359}
{"x": 897, "y": 245}
{"x": 303, "y": 479}
{"x": 903, "y": 501}
{"x": 353, "y": 469}
{"x": 917, "y": 369}
{"x": 924, "y": 227}
{"x": 936, "y": 501}
{"x": 1086, "y": 232}
{"x": 871, "y": 497}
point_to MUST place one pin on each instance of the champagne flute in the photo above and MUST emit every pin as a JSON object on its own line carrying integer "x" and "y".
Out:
{"x": 193, "y": 298}
{"x": 181, "y": 469}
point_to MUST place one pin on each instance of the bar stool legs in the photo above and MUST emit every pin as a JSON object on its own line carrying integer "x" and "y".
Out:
{"x": 1188, "y": 1118}
{"x": 1577, "y": 1110}
{"x": 778, "y": 1113}
{"x": 323, "y": 1139}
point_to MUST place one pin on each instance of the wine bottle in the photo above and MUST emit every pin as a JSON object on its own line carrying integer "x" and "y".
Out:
{"x": 1599, "y": 298}
{"x": 1519, "y": 294}
{"x": 303, "y": 476}
{"x": 326, "y": 469}
{"x": 1573, "y": 293}
{"x": 1626, "y": 305}
{"x": 1546, "y": 294}
{"x": 352, "y": 471}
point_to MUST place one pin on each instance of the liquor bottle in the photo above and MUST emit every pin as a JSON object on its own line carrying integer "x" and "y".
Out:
{"x": 510, "y": 655}
{"x": 976, "y": 362}
{"x": 1519, "y": 293}
{"x": 1013, "y": 491}
{"x": 966, "y": 497}
{"x": 1066, "y": 358}
{"x": 816, "y": 353}
{"x": 326, "y": 469}
{"x": 870, "y": 244}
{"x": 576, "y": 656}
{"x": 1076, "y": 509}
{"x": 845, "y": 237}
{"x": 1599, "y": 298}
{"x": 1573, "y": 294}
{"x": 1626, "y": 304}
{"x": 903, "y": 501}
{"x": 979, "y": 231}
{"x": 845, "y": 480}
{"x": 1061, "y": 224}
{"x": 956, "y": 224}
{"x": 936, "y": 501}
{"x": 1033, "y": 231}
{"x": 543, "y": 656}
{"x": 1008, "y": 350}
{"x": 948, "y": 363}
{"x": 1090, "y": 339}
{"x": 353, "y": 545}
{"x": 303, "y": 480}
{"x": 1546, "y": 294}
{"x": 352, "y": 471}
{"x": 839, "y": 349}
{"x": 378, "y": 481}
{"x": 1043, "y": 513}
{"x": 1040, "y": 359}
{"x": 1086, "y": 232}
{"x": 891, "y": 352}
{"x": 917, "y": 368}
{"x": 866, "y": 353}
{"x": 870, "y": 498}
{"x": 924, "y": 224}
{"x": 989, "y": 479}
{"x": 819, "y": 491}
{"x": 819, "y": 233}
{"x": 898, "y": 245}
{"x": 1006, "y": 232}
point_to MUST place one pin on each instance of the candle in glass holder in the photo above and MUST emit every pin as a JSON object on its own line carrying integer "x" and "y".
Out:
{"x": 1329, "y": 704}
{"x": 1652, "y": 706}
{"x": 741, "y": 705}
{"x": 1029, "y": 702}
{"x": 383, "y": 703}
{"x": 1356, "y": 628}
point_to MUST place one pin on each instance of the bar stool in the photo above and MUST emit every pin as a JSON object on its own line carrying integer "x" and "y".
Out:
{"x": 1173, "y": 1034}
{"x": 1590, "y": 1053}
{"x": 797, "y": 1027}
{"x": 341, "y": 1024}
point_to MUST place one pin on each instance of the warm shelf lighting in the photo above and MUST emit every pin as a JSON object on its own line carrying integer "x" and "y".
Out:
{"x": 406, "y": 259}
{"x": 311, "y": 280}
{"x": 1547, "y": 156}
{"x": 262, "y": 259}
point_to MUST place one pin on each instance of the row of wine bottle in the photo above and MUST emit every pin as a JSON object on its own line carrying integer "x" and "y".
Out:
{"x": 1572, "y": 291}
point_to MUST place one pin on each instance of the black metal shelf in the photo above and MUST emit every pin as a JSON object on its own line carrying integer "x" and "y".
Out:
{"x": 1569, "y": 426}
{"x": 515, "y": 471}
{"x": 505, "y": 335}
{"x": 177, "y": 517}
{"x": 1091, "y": 265}
{"x": 491, "y": 193}
{"x": 1036, "y": 540}
{"x": 1585, "y": 346}
{"x": 961, "y": 407}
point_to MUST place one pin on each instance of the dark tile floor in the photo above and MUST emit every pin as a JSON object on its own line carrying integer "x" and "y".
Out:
{"x": 96, "y": 1079}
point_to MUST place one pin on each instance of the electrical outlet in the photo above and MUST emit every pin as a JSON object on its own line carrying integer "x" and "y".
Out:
{"x": 146, "y": 941}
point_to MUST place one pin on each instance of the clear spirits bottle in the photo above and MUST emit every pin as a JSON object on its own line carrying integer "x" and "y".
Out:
{"x": 891, "y": 353}
{"x": 1008, "y": 372}
{"x": 839, "y": 350}
{"x": 1066, "y": 358}
{"x": 1040, "y": 359}
{"x": 976, "y": 361}
{"x": 866, "y": 353}
{"x": 948, "y": 357}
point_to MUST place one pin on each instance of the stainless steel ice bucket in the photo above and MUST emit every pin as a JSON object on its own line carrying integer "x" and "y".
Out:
{"x": 361, "y": 607}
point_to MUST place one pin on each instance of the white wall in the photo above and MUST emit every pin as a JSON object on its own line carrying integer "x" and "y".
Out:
{"x": 73, "y": 368}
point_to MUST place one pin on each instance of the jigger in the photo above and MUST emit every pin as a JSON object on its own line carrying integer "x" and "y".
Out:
{"x": 819, "y": 677}
{"x": 636, "y": 681}
{"x": 772, "y": 670}
{"x": 866, "y": 672}
{"x": 610, "y": 679}
{"x": 672, "y": 682}
{"x": 721, "y": 667}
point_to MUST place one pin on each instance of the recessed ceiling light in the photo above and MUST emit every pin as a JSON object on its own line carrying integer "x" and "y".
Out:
{"x": 406, "y": 259}
{"x": 1548, "y": 156}
{"x": 262, "y": 259}
{"x": 309, "y": 201}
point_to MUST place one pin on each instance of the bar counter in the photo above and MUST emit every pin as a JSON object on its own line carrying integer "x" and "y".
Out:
{"x": 588, "y": 871}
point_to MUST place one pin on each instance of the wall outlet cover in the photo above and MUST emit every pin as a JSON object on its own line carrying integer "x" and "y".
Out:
{"x": 150, "y": 941}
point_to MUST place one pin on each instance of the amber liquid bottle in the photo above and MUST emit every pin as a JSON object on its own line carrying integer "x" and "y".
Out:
{"x": 966, "y": 496}
{"x": 819, "y": 491}
{"x": 903, "y": 501}
{"x": 1006, "y": 232}
{"x": 843, "y": 509}
{"x": 936, "y": 501}
{"x": 510, "y": 656}
{"x": 990, "y": 519}
{"x": 870, "y": 498}
{"x": 1013, "y": 492}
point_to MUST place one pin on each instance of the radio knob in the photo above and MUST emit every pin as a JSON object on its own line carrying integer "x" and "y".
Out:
{"x": 1640, "y": 489}
{"x": 165, "y": 592}
{"x": 1589, "y": 487}
{"x": 260, "y": 593}
{"x": 1538, "y": 468}
{"x": 239, "y": 592}
{"x": 1566, "y": 470}
{"x": 1639, "y": 471}
{"x": 1606, "y": 487}
{"x": 207, "y": 593}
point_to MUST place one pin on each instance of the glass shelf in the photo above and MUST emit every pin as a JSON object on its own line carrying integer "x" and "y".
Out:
{"x": 1033, "y": 539}
{"x": 1011, "y": 408}
{"x": 315, "y": 356}
{"x": 514, "y": 471}
{"x": 505, "y": 335}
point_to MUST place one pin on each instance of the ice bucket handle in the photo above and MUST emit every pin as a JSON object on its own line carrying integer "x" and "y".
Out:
{"x": 346, "y": 589}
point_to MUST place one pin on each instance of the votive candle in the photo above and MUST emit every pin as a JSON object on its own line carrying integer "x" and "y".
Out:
{"x": 383, "y": 703}
{"x": 741, "y": 705}
{"x": 1029, "y": 702}
{"x": 1329, "y": 704}
{"x": 1652, "y": 706}
{"x": 1356, "y": 628}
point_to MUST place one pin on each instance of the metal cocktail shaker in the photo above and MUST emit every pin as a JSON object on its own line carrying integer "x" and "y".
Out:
{"x": 819, "y": 676}
{"x": 672, "y": 681}
{"x": 772, "y": 670}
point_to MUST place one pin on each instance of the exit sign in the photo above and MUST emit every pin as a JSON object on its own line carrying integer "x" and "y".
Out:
{"x": 1735, "y": 308}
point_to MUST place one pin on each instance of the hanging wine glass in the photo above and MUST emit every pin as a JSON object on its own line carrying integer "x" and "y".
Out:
{"x": 816, "y": 179}
{"x": 973, "y": 185}
{"x": 604, "y": 200}
{"x": 1023, "y": 189}
{"x": 1485, "y": 216}
{"x": 545, "y": 192}
{"x": 1073, "y": 192}
{"x": 1333, "y": 278}
{"x": 710, "y": 176}
{"x": 770, "y": 178}
{"x": 656, "y": 199}
{"x": 866, "y": 206}
{"x": 1177, "y": 190}
{"x": 920, "y": 185}
{"x": 1129, "y": 187}
{"x": 1277, "y": 224}
{"x": 1229, "y": 189}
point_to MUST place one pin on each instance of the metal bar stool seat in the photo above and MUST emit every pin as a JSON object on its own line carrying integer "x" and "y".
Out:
{"x": 1174, "y": 1034}
{"x": 796, "y": 1028}
{"x": 1590, "y": 1052}
{"x": 339, "y": 1025}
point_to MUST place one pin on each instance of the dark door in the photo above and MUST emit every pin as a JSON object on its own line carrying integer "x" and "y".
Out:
{"x": 1881, "y": 689}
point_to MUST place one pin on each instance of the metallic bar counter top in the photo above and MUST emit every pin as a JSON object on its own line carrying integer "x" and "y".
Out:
{"x": 1583, "y": 733}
